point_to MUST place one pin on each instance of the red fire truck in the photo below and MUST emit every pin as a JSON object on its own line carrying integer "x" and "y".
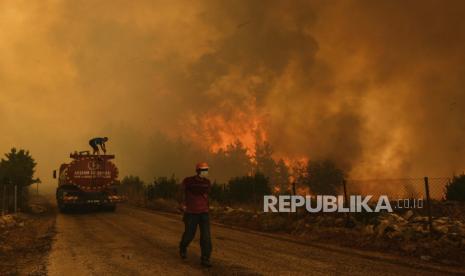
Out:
{"x": 88, "y": 180}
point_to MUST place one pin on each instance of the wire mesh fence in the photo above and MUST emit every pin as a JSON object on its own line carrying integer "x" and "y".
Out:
{"x": 431, "y": 191}
{"x": 437, "y": 187}
{"x": 400, "y": 188}
{"x": 393, "y": 188}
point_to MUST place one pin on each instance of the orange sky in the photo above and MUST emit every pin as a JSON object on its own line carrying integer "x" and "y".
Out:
{"x": 377, "y": 85}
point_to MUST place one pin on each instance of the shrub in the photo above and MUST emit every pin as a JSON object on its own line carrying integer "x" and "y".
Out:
{"x": 218, "y": 192}
{"x": 324, "y": 177}
{"x": 164, "y": 187}
{"x": 455, "y": 190}
{"x": 248, "y": 188}
{"x": 131, "y": 184}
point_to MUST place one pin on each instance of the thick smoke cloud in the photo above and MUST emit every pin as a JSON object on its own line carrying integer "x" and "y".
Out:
{"x": 376, "y": 86}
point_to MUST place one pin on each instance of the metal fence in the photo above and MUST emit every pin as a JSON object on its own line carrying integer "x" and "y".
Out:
{"x": 400, "y": 188}
{"x": 431, "y": 191}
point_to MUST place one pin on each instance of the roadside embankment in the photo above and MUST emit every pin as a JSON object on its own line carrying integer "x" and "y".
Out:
{"x": 25, "y": 238}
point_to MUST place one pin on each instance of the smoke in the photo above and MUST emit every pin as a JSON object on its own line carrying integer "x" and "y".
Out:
{"x": 376, "y": 86}
{"x": 407, "y": 55}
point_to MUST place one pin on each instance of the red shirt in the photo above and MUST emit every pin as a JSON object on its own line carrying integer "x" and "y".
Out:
{"x": 196, "y": 191}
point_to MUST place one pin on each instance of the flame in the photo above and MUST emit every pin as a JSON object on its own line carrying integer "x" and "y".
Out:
{"x": 303, "y": 191}
{"x": 216, "y": 132}
{"x": 228, "y": 133}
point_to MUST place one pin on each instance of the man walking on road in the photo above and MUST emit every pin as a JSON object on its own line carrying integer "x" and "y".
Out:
{"x": 194, "y": 203}
{"x": 95, "y": 142}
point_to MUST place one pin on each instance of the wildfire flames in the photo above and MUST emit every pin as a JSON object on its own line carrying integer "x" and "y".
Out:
{"x": 220, "y": 132}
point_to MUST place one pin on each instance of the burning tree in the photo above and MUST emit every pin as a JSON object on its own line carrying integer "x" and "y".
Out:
{"x": 277, "y": 172}
{"x": 230, "y": 162}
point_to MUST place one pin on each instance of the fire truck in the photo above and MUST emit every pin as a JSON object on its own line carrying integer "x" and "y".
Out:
{"x": 88, "y": 180}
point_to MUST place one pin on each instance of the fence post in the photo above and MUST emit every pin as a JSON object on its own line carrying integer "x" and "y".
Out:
{"x": 16, "y": 199}
{"x": 344, "y": 184}
{"x": 346, "y": 200}
{"x": 3, "y": 199}
{"x": 428, "y": 205}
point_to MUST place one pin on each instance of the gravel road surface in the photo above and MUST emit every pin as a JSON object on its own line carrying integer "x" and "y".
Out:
{"x": 134, "y": 241}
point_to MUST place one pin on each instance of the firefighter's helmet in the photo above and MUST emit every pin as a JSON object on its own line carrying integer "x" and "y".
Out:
{"x": 201, "y": 166}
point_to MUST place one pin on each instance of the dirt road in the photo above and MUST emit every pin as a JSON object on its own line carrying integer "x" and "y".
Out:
{"x": 139, "y": 242}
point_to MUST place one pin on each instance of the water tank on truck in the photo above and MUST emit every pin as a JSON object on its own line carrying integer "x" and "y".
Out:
{"x": 88, "y": 180}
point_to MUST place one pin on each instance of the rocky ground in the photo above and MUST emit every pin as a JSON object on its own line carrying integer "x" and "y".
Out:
{"x": 25, "y": 239}
{"x": 405, "y": 233}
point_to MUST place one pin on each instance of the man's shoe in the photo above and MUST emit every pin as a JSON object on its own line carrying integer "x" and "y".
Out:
{"x": 183, "y": 252}
{"x": 206, "y": 263}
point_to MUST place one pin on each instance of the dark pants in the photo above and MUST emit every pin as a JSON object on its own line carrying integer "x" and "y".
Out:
{"x": 93, "y": 145}
{"x": 190, "y": 227}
